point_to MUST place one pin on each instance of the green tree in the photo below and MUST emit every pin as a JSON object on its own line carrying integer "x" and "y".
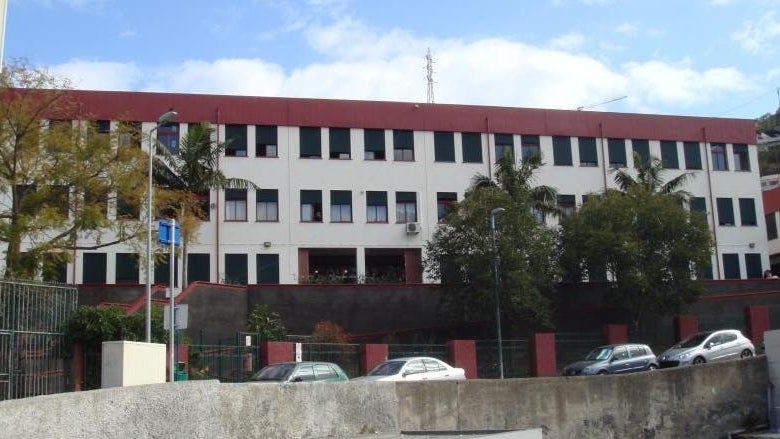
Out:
{"x": 187, "y": 178}
{"x": 58, "y": 178}
{"x": 92, "y": 325}
{"x": 460, "y": 253}
{"x": 267, "y": 323}
{"x": 643, "y": 239}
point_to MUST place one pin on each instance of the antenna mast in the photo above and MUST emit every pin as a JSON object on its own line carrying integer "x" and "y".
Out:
{"x": 429, "y": 71}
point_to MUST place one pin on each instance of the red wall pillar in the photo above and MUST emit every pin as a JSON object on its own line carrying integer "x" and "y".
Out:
{"x": 303, "y": 265}
{"x": 614, "y": 334}
{"x": 277, "y": 352}
{"x": 685, "y": 325}
{"x": 77, "y": 367}
{"x": 412, "y": 266}
{"x": 757, "y": 318}
{"x": 463, "y": 354}
{"x": 372, "y": 355}
{"x": 543, "y": 354}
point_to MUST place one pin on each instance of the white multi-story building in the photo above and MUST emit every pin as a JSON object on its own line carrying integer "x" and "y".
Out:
{"x": 352, "y": 190}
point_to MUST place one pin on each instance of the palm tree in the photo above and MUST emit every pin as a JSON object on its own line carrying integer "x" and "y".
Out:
{"x": 190, "y": 174}
{"x": 648, "y": 177}
{"x": 517, "y": 181}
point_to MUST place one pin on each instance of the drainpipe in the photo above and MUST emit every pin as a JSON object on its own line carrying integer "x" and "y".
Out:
{"x": 712, "y": 200}
{"x": 489, "y": 158}
{"x": 604, "y": 163}
{"x": 216, "y": 202}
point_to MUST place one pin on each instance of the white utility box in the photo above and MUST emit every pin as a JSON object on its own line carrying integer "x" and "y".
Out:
{"x": 130, "y": 363}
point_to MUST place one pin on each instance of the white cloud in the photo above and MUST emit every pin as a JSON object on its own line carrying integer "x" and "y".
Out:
{"x": 758, "y": 35}
{"x": 569, "y": 42}
{"x": 98, "y": 75}
{"x": 627, "y": 29}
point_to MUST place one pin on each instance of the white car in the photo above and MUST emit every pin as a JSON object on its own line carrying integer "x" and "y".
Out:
{"x": 414, "y": 369}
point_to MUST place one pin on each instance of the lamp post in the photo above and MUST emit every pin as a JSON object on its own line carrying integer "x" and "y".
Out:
{"x": 493, "y": 214}
{"x": 162, "y": 120}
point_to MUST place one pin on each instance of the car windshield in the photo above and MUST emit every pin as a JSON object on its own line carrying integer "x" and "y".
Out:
{"x": 601, "y": 353}
{"x": 276, "y": 372}
{"x": 693, "y": 340}
{"x": 387, "y": 368}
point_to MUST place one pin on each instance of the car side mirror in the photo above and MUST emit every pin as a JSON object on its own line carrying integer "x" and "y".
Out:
{"x": 297, "y": 379}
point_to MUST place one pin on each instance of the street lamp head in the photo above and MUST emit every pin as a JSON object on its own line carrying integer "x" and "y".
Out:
{"x": 497, "y": 210}
{"x": 167, "y": 117}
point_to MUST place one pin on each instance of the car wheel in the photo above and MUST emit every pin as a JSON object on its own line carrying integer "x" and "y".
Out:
{"x": 652, "y": 366}
{"x": 699, "y": 360}
{"x": 602, "y": 372}
{"x": 746, "y": 353}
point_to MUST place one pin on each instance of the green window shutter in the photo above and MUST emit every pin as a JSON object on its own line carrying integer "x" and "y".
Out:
{"x": 374, "y": 140}
{"x": 162, "y": 271}
{"x": 311, "y": 142}
{"x": 698, "y": 204}
{"x": 267, "y": 268}
{"x": 562, "y": 151}
{"x": 235, "y": 139}
{"x": 753, "y": 268}
{"x": 266, "y": 135}
{"x": 126, "y": 267}
{"x": 267, "y": 196}
{"x": 406, "y": 197}
{"x": 94, "y": 268}
{"x": 340, "y": 197}
{"x": 641, "y": 147}
{"x": 311, "y": 197}
{"x": 403, "y": 139}
{"x": 588, "y": 154}
{"x": 444, "y": 146}
{"x": 339, "y": 142}
{"x": 692, "y": 155}
{"x": 747, "y": 211}
{"x": 472, "y": 147}
{"x": 731, "y": 266}
{"x": 771, "y": 226}
{"x": 617, "y": 152}
{"x": 725, "y": 212}
{"x": 376, "y": 198}
{"x": 235, "y": 194}
{"x": 198, "y": 267}
{"x": 236, "y": 268}
{"x": 669, "y": 154}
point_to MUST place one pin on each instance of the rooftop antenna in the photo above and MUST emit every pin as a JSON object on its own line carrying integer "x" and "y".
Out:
{"x": 585, "y": 107}
{"x": 429, "y": 71}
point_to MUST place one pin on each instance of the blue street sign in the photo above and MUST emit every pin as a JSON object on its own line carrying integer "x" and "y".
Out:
{"x": 164, "y": 233}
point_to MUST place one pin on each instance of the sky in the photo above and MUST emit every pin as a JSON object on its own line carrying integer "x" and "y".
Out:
{"x": 714, "y": 58}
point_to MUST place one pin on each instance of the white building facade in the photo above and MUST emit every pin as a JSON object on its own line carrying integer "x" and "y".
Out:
{"x": 352, "y": 190}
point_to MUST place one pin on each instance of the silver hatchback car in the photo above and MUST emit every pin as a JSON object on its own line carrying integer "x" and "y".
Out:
{"x": 703, "y": 347}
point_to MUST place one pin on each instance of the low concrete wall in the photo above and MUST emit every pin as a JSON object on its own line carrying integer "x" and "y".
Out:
{"x": 702, "y": 401}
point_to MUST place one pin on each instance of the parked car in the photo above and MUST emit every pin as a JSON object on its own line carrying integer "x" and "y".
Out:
{"x": 614, "y": 358}
{"x": 703, "y": 347}
{"x": 414, "y": 369}
{"x": 300, "y": 372}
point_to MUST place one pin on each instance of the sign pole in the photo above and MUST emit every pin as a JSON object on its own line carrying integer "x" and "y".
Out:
{"x": 171, "y": 278}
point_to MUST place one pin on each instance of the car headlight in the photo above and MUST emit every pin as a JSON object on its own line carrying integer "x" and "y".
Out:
{"x": 685, "y": 355}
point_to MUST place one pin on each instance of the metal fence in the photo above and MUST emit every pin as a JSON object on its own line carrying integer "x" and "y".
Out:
{"x": 571, "y": 347}
{"x": 346, "y": 355}
{"x": 32, "y": 320}
{"x": 417, "y": 350}
{"x": 517, "y": 363}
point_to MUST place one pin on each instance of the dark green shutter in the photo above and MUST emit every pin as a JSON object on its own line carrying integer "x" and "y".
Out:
{"x": 698, "y": 204}
{"x": 692, "y": 155}
{"x": 162, "y": 271}
{"x": 126, "y": 267}
{"x": 642, "y": 148}
{"x": 376, "y": 198}
{"x": 731, "y": 266}
{"x": 340, "y": 197}
{"x": 403, "y": 139}
{"x": 725, "y": 212}
{"x": 374, "y": 140}
{"x": 311, "y": 142}
{"x": 669, "y": 154}
{"x": 617, "y": 152}
{"x": 472, "y": 147}
{"x": 267, "y": 269}
{"x": 94, "y": 268}
{"x": 588, "y": 154}
{"x": 198, "y": 267}
{"x": 771, "y": 226}
{"x": 236, "y": 268}
{"x": 266, "y": 135}
{"x": 753, "y": 266}
{"x": 747, "y": 211}
{"x": 562, "y": 151}
{"x": 406, "y": 197}
{"x": 339, "y": 141}
{"x": 267, "y": 196}
{"x": 311, "y": 197}
{"x": 444, "y": 146}
{"x": 235, "y": 136}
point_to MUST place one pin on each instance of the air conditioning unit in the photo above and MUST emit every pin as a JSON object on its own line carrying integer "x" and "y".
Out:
{"x": 412, "y": 228}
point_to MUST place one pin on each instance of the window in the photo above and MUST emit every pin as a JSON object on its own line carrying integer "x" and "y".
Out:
{"x": 54, "y": 269}
{"x": 692, "y": 155}
{"x": 617, "y": 153}
{"x": 669, "y": 154}
{"x": 168, "y": 136}
{"x": 405, "y": 207}
{"x": 162, "y": 270}
{"x": 444, "y": 200}
{"x": 718, "y": 151}
{"x": 741, "y": 157}
{"x": 324, "y": 372}
{"x": 771, "y": 226}
{"x": 588, "y": 154}
{"x": 414, "y": 366}
{"x": 567, "y": 204}
{"x": 704, "y": 271}
{"x": 731, "y": 266}
{"x": 637, "y": 351}
{"x": 93, "y": 268}
{"x": 376, "y": 206}
{"x": 472, "y": 147}
{"x": 641, "y": 147}
{"x": 266, "y": 141}
{"x": 127, "y": 209}
{"x": 129, "y": 134}
{"x": 340, "y": 145}
{"x": 204, "y": 204}
{"x": 753, "y": 266}
{"x": 374, "y": 144}
{"x": 267, "y": 205}
{"x": 311, "y": 206}
{"x": 311, "y": 142}
{"x": 747, "y": 211}
{"x": 403, "y": 146}
{"x": 198, "y": 267}
{"x": 725, "y": 212}
{"x": 235, "y": 269}
{"x": 103, "y": 129}
{"x": 562, "y": 151}
{"x": 698, "y": 204}
{"x": 267, "y": 268}
{"x": 621, "y": 353}
{"x": 444, "y": 147}
{"x": 341, "y": 206}
{"x": 529, "y": 146}
{"x": 235, "y": 204}
{"x": 126, "y": 267}
{"x": 235, "y": 140}
{"x": 505, "y": 147}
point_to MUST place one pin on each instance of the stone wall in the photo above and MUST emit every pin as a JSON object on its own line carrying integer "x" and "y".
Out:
{"x": 702, "y": 401}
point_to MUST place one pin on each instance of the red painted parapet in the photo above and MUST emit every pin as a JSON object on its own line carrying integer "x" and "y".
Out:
{"x": 277, "y": 352}
{"x": 463, "y": 354}
{"x": 372, "y": 355}
{"x": 77, "y": 367}
{"x": 757, "y": 318}
{"x": 614, "y": 334}
{"x": 543, "y": 354}
{"x": 685, "y": 326}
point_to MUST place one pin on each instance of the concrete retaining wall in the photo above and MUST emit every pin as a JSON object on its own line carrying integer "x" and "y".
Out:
{"x": 702, "y": 401}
